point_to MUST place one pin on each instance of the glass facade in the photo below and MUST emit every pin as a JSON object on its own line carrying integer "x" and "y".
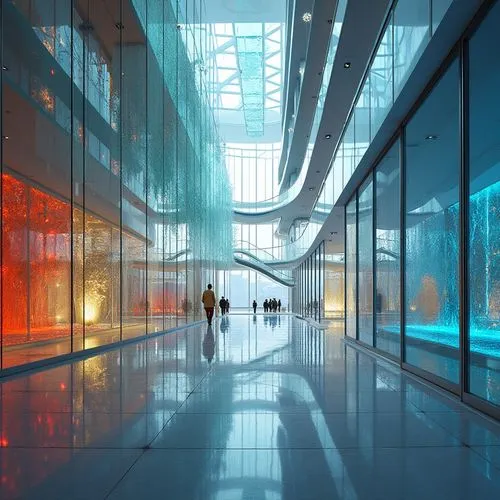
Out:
{"x": 432, "y": 151}
{"x": 308, "y": 294}
{"x": 441, "y": 257}
{"x": 351, "y": 281}
{"x": 365, "y": 261}
{"x": 484, "y": 212}
{"x": 116, "y": 204}
{"x": 387, "y": 252}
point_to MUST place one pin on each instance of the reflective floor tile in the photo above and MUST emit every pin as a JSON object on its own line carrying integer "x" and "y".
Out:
{"x": 62, "y": 473}
{"x": 244, "y": 430}
{"x": 368, "y": 430}
{"x": 471, "y": 429}
{"x": 229, "y": 474}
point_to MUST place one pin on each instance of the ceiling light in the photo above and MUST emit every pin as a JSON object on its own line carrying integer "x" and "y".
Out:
{"x": 347, "y": 65}
{"x": 4, "y": 68}
{"x": 6, "y": 137}
{"x": 306, "y": 17}
{"x": 431, "y": 137}
{"x": 301, "y": 71}
{"x": 328, "y": 136}
{"x": 311, "y": 189}
{"x": 290, "y": 129}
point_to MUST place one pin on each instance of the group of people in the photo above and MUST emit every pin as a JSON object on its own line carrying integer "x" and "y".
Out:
{"x": 224, "y": 306}
{"x": 272, "y": 305}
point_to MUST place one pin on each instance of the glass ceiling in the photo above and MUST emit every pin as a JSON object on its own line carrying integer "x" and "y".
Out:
{"x": 248, "y": 60}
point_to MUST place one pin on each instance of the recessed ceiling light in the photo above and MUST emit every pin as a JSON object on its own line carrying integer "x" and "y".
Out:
{"x": 4, "y": 68}
{"x": 311, "y": 189}
{"x": 431, "y": 137}
{"x": 306, "y": 17}
{"x": 347, "y": 65}
{"x": 328, "y": 136}
{"x": 6, "y": 137}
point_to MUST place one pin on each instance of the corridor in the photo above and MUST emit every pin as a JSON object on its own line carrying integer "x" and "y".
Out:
{"x": 260, "y": 407}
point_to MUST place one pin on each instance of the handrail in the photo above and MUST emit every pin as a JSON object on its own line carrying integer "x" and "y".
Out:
{"x": 255, "y": 264}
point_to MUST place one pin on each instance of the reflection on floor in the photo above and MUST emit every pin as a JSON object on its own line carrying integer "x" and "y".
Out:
{"x": 252, "y": 409}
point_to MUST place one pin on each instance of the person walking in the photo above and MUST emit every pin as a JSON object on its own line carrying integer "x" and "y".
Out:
{"x": 227, "y": 306}
{"x": 265, "y": 305}
{"x": 275, "y": 305}
{"x": 209, "y": 301}
{"x": 222, "y": 305}
{"x": 254, "y": 305}
{"x": 279, "y": 305}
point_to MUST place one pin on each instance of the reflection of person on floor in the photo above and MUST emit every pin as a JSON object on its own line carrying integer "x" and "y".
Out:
{"x": 208, "y": 299}
{"x": 209, "y": 344}
{"x": 273, "y": 320}
{"x": 224, "y": 324}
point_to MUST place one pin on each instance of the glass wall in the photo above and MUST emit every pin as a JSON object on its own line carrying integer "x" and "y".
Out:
{"x": 432, "y": 230}
{"x": 387, "y": 253}
{"x": 334, "y": 281}
{"x": 351, "y": 281}
{"x": 242, "y": 286}
{"x": 365, "y": 261}
{"x": 107, "y": 145}
{"x": 308, "y": 296}
{"x": 451, "y": 223}
{"x": 484, "y": 211}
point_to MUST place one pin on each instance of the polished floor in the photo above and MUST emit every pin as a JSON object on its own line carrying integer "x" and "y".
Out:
{"x": 260, "y": 407}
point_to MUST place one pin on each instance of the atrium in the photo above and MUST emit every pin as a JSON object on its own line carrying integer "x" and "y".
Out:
{"x": 331, "y": 167}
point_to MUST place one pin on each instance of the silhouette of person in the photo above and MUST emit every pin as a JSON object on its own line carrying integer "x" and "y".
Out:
{"x": 254, "y": 305}
{"x": 208, "y": 345}
{"x": 208, "y": 299}
{"x": 222, "y": 305}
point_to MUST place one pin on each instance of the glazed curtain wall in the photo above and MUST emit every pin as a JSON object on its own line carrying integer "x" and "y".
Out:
{"x": 308, "y": 294}
{"x": 242, "y": 286}
{"x": 116, "y": 204}
{"x": 446, "y": 184}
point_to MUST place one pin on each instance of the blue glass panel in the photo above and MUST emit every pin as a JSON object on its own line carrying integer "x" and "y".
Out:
{"x": 387, "y": 254}
{"x": 432, "y": 231}
{"x": 365, "y": 261}
{"x": 484, "y": 213}
{"x": 351, "y": 275}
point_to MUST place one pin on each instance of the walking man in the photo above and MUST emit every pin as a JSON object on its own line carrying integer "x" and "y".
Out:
{"x": 208, "y": 299}
{"x": 254, "y": 305}
{"x": 222, "y": 305}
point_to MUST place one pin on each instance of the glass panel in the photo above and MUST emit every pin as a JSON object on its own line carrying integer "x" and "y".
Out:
{"x": 432, "y": 231}
{"x": 351, "y": 274}
{"x": 387, "y": 254}
{"x": 122, "y": 114}
{"x": 484, "y": 213}
{"x": 411, "y": 34}
{"x": 36, "y": 213}
{"x": 381, "y": 80}
{"x": 439, "y": 8}
{"x": 365, "y": 261}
